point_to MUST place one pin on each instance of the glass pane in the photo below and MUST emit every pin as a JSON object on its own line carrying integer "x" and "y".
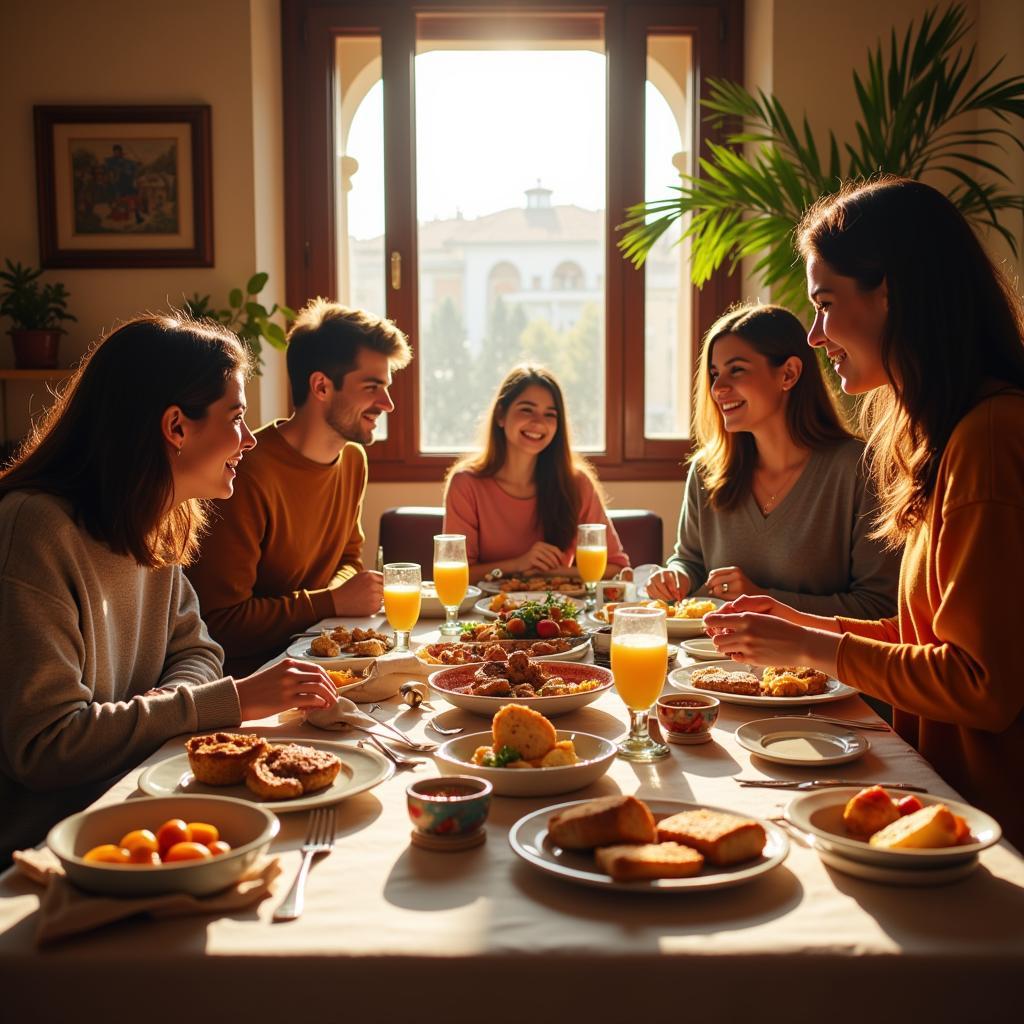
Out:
{"x": 510, "y": 167}
{"x": 668, "y": 329}
{"x": 359, "y": 181}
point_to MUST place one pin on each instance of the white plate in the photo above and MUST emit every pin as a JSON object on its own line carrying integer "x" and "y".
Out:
{"x": 529, "y": 839}
{"x": 494, "y": 586}
{"x": 579, "y": 650}
{"x": 431, "y": 607}
{"x": 797, "y": 740}
{"x": 361, "y": 769}
{"x": 680, "y": 679}
{"x": 820, "y": 814}
{"x": 481, "y": 607}
{"x": 595, "y": 755}
{"x": 702, "y": 649}
{"x": 300, "y": 649}
{"x": 896, "y": 876}
{"x": 445, "y": 682}
{"x": 677, "y": 629}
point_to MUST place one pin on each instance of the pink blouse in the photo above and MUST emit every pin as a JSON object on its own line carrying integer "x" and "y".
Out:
{"x": 499, "y": 527}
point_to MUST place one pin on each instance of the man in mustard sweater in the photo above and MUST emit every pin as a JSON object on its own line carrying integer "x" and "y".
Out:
{"x": 286, "y": 550}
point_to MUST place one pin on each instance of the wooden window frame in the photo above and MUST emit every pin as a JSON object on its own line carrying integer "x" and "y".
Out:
{"x": 309, "y": 31}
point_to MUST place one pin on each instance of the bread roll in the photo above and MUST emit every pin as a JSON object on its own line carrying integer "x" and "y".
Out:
{"x": 603, "y": 822}
{"x": 930, "y": 828}
{"x": 629, "y": 863}
{"x": 723, "y": 838}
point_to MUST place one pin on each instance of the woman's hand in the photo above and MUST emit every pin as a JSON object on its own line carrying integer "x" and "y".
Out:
{"x": 668, "y": 584}
{"x": 542, "y": 557}
{"x": 730, "y": 582}
{"x": 359, "y": 595}
{"x": 763, "y": 631}
{"x": 285, "y": 684}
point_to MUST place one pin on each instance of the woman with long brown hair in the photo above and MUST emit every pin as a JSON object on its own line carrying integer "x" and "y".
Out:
{"x": 105, "y": 656}
{"x": 913, "y": 313}
{"x": 520, "y": 498}
{"x": 776, "y": 501}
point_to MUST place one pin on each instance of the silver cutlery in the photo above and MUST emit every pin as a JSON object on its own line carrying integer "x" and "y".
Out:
{"x": 849, "y": 723}
{"x": 401, "y": 736}
{"x": 319, "y": 839}
{"x": 443, "y": 729}
{"x": 826, "y": 784}
{"x": 396, "y": 759}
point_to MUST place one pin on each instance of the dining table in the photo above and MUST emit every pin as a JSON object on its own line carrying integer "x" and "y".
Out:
{"x": 395, "y": 932}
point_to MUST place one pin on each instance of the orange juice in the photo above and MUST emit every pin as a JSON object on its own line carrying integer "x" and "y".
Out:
{"x": 402, "y": 605}
{"x": 451, "y": 579}
{"x": 639, "y": 664}
{"x": 591, "y": 562}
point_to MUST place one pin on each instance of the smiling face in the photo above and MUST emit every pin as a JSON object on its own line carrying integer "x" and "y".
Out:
{"x": 745, "y": 386}
{"x": 362, "y": 397}
{"x": 849, "y": 323}
{"x": 212, "y": 447}
{"x": 531, "y": 422}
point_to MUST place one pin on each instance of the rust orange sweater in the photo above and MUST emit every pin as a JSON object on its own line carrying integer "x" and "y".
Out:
{"x": 289, "y": 532}
{"x": 950, "y": 663}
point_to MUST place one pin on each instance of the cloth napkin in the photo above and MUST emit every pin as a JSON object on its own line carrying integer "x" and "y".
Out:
{"x": 344, "y": 713}
{"x": 65, "y": 910}
{"x": 385, "y": 676}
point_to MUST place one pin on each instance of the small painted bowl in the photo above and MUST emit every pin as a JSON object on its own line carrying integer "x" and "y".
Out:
{"x": 454, "y": 805}
{"x": 687, "y": 717}
{"x": 601, "y": 640}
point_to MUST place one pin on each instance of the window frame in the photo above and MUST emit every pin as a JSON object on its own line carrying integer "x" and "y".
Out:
{"x": 309, "y": 30}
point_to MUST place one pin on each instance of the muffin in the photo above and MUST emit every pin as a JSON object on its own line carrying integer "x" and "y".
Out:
{"x": 222, "y": 758}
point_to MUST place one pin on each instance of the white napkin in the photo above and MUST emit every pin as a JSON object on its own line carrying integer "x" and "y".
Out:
{"x": 384, "y": 678}
{"x": 342, "y": 714}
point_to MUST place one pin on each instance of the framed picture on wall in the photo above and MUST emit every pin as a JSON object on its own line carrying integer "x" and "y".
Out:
{"x": 124, "y": 186}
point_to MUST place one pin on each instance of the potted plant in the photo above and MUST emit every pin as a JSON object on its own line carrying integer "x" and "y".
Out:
{"x": 36, "y": 311}
{"x": 249, "y": 319}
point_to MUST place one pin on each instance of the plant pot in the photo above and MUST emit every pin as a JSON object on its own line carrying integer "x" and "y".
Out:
{"x": 35, "y": 350}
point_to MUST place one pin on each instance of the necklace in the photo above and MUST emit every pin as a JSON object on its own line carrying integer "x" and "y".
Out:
{"x": 766, "y": 506}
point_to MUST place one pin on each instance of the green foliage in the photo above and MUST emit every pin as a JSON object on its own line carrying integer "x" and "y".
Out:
{"x": 249, "y": 319}
{"x": 30, "y": 305}
{"x": 912, "y": 100}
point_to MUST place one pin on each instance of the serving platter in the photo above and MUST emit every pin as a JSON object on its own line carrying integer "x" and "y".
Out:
{"x": 577, "y": 652}
{"x": 530, "y": 841}
{"x": 300, "y": 649}
{"x": 676, "y": 628}
{"x": 361, "y": 769}
{"x": 680, "y": 679}
{"x": 573, "y": 585}
{"x": 482, "y": 607}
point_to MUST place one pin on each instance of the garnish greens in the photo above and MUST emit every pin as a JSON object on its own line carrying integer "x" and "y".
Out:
{"x": 501, "y": 757}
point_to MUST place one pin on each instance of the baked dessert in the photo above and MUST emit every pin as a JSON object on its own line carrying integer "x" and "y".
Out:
{"x": 927, "y": 829}
{"x": 287, "y": 771}
{"x": 606, "y": 821}
{"x": 723, "y": 839}
{"x": 793, "y": 681}
{"x": 869, "y": 811}
{"x": 720, "y": 681}
{"x": 630, "y": 863}
{"x": 222, "y": 758}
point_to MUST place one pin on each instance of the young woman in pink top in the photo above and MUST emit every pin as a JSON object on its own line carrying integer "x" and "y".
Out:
{"x": 520, "y": 499}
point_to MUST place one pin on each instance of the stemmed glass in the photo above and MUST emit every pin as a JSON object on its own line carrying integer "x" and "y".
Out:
{"x": 639, "y": 664}
{"x": 451, "y": 578}
{"x": 591, "y": 557}
{"x": 402, "y": 600}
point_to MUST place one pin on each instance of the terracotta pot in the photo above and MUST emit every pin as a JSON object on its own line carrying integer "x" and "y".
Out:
{"x": 35, "y": 350}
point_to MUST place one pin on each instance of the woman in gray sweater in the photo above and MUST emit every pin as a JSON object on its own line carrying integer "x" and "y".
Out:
{"x": 105, "y": 656}
{"x": 776, "y": 499}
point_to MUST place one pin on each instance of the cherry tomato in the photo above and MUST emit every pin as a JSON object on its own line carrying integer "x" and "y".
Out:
{"x": 218, "y": 847}
{"x": 201, "y": 832}
{"x": 515, "y": 627}
{"x": 547, "y": 628}
{"x": 908, "y": 805}
{"x": 170, "y": 833}
{"x": 187, "y": 851}
{"x": 145, "y": 858}
{"x": 555, "y": 614}
{"x": 108, "y": 853}
{"x": 141, "y": 839}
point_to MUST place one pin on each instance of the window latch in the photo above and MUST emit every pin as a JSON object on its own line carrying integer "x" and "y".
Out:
{"x": 396, "y": 271}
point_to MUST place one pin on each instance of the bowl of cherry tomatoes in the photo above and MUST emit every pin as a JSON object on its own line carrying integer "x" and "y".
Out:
{"x": 190, "y": 844}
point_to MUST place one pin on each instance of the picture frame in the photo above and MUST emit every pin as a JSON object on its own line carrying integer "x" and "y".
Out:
{"x": 124, "y": 186}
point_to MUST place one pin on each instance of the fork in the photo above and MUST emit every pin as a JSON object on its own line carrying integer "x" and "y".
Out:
{"x": 397, "y": 759}
{"x": 403, "y": 737}
{"x": 849, "y": 723}
{"x": 319, "y": 839}
{"x": 826, "y": 784}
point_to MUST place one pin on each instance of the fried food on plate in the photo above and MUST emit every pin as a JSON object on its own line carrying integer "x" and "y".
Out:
{"x": 523, "y": 729}
{"x": 222, "y": 758}
{"x": 720, "y": 681}
{"x": 289, "y": 770}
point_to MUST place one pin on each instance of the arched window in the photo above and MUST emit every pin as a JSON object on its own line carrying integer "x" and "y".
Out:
{"x": 503, "y": 279}
{"x": 568, "y": 277}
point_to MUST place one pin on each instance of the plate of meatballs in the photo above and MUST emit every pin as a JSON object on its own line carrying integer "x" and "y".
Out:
{"x": 551, "y": 687}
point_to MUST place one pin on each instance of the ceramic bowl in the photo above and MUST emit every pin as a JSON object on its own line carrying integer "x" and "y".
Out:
{"x": 248, "y": 827}
{"x": 687, "y": 718}
{"x": 453, "y": 806}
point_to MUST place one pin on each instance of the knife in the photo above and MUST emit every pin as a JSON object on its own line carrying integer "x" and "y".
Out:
{"x": 826, "y": 784}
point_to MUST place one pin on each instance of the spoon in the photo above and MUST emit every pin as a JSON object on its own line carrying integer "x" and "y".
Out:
{"x": 443, "y": 730}
{"x": 397, "y": 759}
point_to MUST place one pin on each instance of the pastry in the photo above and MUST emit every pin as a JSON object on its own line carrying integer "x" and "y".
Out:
{"x": 927, "y": 829}
{"x": 222, "y": 758}
{"x": 287, "y": 771}
{"x": 720, "y": 681}
{"x": 722, "y": 838}
{"x": 628, "y": 863}
{"x": 603, "y": 822}
{"x": 524, "y": 730}
{"x": 868, "y": 811}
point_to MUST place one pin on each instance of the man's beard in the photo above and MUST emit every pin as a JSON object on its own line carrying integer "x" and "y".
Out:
{"x": 350, "y": 428}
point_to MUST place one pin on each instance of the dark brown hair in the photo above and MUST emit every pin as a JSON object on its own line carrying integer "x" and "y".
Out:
{"x": 327, "y": 337}
{"x": 558, "y": 495}
{"x": 953, "y": 323}
{"x": 101, "y": 447}
{"x": 726, "y": 460}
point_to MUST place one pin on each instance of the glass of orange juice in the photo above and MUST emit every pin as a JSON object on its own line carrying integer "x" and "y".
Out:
{"x": 591, "y": 557}
{"x": 451, "y": 578}
{"x": 639, "y": 664}
{"x": 402, "y": 600}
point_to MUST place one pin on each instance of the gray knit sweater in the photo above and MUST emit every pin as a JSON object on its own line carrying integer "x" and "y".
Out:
{"x": 84, "y": 636}
{"x": 812, "y": 552}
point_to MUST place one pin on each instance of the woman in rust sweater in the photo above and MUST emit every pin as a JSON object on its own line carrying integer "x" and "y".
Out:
{"x": 914, "y": 315}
